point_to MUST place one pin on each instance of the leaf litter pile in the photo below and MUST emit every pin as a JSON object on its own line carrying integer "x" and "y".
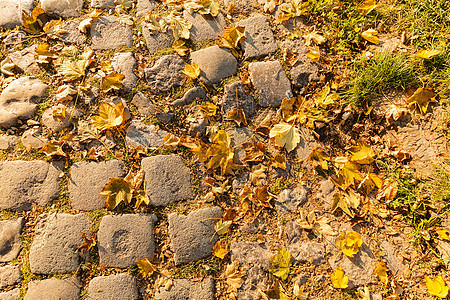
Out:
{"x": 329, "y": 166}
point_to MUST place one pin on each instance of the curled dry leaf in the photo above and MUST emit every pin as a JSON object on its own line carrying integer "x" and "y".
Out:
{"x": 192, "y": 71}
{"x": 257, "y": 173}
{"x": 366, "y": 6}
{"x": 421, "y": 98}
{"x": 54, "y": 29}
{"x": 208, "y": 110}
{"x": 146, "y": 268}
{"x": 64, "y": 93}
{"x": 234, "y": 276}
{"x": 394, "y": 112}
{"x": 54, "y": 148}
{"x": 349, "y": 243}
{"x": 34, "y": 22}
{"x": 44, "y": 54}
{"x": 371, "y": 35}
{"x": 318, "y": 157}
{"x": 89, "y": 242}
{"x": 319, "y": 226}
{"x": 171, "y": 141}
{"x": 238, "y": 116}
{"x": 314, "y": 54}
{"x": 109, "y": 116}
{"x": 400, "y": 155}
{"x": 164, "y": 280}
{"x": 6, "y": 66}
{"x": 339, "y": 279}
{"x": 388, "y": 191}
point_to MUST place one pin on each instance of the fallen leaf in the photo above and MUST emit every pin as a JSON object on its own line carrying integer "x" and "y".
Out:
{"x": 394, "y": 112}
{"x": 180, "y": 28}
{"x": 257, "y": 173}
{"x": 269, "y": 6}
{"x": 388, "y": 191}
{"x": 179, "y": 47}
{"x": 281, "y": 264}
{"x": 54, "y": 148}
{"x": 437, "y": 287}
{"x": 442, "y": 234}
{"x": 285, "y": 135}
{"x": 234, "y": 276}
{"x": 89, "y": 243}
{"x": 231, "y": 39}
{"x": 381, "y": 272}
{"x": 220, "y": 153}
{"x": 117, "y": 190}
{"x": 339, "y": 200}
{"x": 209, "y": 7}
{"x": 278, "y": 161}
{"x": 85, "y": 25}
{"x": 126, "y": 4}
{"x": 54, "y": 29}
{"x": 220, "y": 249}
{"x": 349, "y": 243}
{"x": 319, "y": 226}
{"x": 299, "y": 292}
{"x": 338, "y": 279}
{"x": 277, "y": 292}
{"x": 261, "y": 197}
{"x": 164, "y": 280}
{"x": 44, "y": 54}
{"x": 318, "y": 157}
{"x": 208, "y": 110}
{"x": 238, "y": 116}
{"x": 366, "y": 7}
{"x": 294, "y": 10}
{"x": 112, "y": 81}
{"x": 71, "y": 64}
{"x": 146, "y": 268}
{"x": 314, "y": 38}
{"x": 6, "y": 66}
{"x": 109, "y": 116}
{"x": 192, "y": 71}
{"x": 400, "y": 155}
{"x": 371, "y": 35}
{"x": 155, "y": 23}
{"x": 64, "y": 93}
{"x": 314, "y": 54}
{"x": 34, "y": 22}
{"x": 421, "y": 97}
{"x": 141, "y": 197}
{"x": 350, "y": 173}
{"x": 171, "y": 141}
{"x": 427, "y": 54}
{"x": 290, "y": 59}
{"x": 362, "y": 154}
{"x": 222, "y": 227}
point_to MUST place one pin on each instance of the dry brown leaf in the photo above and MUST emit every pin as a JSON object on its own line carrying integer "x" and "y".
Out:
{"x": 234, "y": 276}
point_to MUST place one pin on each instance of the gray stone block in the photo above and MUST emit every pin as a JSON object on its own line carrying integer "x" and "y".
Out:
{"x": 26, "y": 182}
{"x": 103, "y": 4}
{"x": 143, "y": 135}
{"x": 25, "y": 60}
{"x": 65, "y": 9}
{"x": 108, "y": 33}
{"x": 259, "y": 40}
{"x": 270, "y": 82}
{"x": 9, "y": 275}
{"x": 124, "y": 239}
{"x": 197, "y": 92}
{"x": 13, "y": 294}
{"x": 113, "y": 287}
{"x": 235, "y": 96}
{"x": 8, "y": 142}
{"x": 10, "y": 12}
{"x": 156, "y": 41}
{"x": 167, "y": 179}
{"x": 215, "y": 63}
{"x": 55, "y": 246}
{"x": 165, "y": 74}
{"x": 10, "y": 239}
{"x": 87, "y": 179}
{"x": 72, "y": 34}
{"x": 56, "y": 123}
{"x": 124, "y": 63}
{"x": 307, "y": 252}
{"x": 144, "y": 6}
{"x": 144, "y": 105}
{"x": 53, "y": 289}
{"x": 182, "y": 289}
{"x": 205, "y": 27}
{"x": 239, "y": 136}
{"x": 192, "y": 237}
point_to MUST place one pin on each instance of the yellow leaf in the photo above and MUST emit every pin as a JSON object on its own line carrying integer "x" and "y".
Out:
{"x": 350, "y": 173}
{"x": 44, "y": 54}
{"x": 117, "y": 190}
{"x": 54, "y": 148}
{"x": 366, "y": 7}
{"x": 192, "y": 71}
{"x": 371, "y": 36}
{"x": 238, "y": 116}
{"x": 314, "y": 38}
{"x": 112, "y": 81}
{"x": 155, "y": 23}
{"x": 221, "y": 153}
{"x": 109, "y": 116}
{"x": 34, "y": 22}
{"x": 220, "y": 249}
{"x": 105, "y": 66}
{"x": 437, "y": 287}
{"x": 141, "y": 197}
{"x": 421, "y": 97}
{"x": 318, "y": 157}
{"x": 285, "y": 135}
{"x": 71, "y": 64}
{"x": 339, "y": 200}
{"x": 349, "y": 243}
{"x": 381, "y": 272}
{"x": 234, "y": 35}
{"x": 208, "y": 110}
{"x": 281, "y": 264}
{"x": 278, "y": 161}
{"x": 234, "y": 276}
{"x": 362, "y": 154}
{"x": 339, "y": 280}
{"x": 180, "y": 48}
{"x": 180, "y": 28}
{"x": 209, "y": 7}
{"x": 314, "y": 54}
{"x": 7, "y": 66}
{"x": 54, "y": 29}
{"x": 442, "y": 234}
{"x": 222, "y": 227}
{"x": 146, "y": 267}
{"x": 427, "y": 54}
{"x": 299, "y": 292}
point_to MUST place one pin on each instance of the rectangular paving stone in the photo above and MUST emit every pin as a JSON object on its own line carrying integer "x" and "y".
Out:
{"x": 113, "y": 287}
{"x": 26, "y": 182}
{"x": 9, "y": 275}
{"x": 53, "y": 288}
{"x": 87, "y": 180}
{"x": 55, "y": 246}
{"x": 167, "y": 179}
{"x": 124, "y": 239}
{"x": 259, "y": 40}
{"x": 13, "y": 294}
{"x": 108, "y": 33}
{"x": 205, "y": 27}
{"x": 10, "y": 239}
{"x": 188, "y": 289}
{"x": 192, "y": 237}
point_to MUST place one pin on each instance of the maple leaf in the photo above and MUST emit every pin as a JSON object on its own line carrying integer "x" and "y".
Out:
{"x": 192, "y": 71}
{"x": 314, "y": 54}
{"x": 155, "y": 23}
{"x": 54, "y": 29}
{"x": 117, "y": 190}
{"x": 208, "y": 7}
{"x": 437, "y": 287}
{"x": 231, "y": 39}
{"x": 369, "y": 182}
{"x": 44, "y": 54}
{"x": 234, "y": 276}
{"x": 421, "y": 97}
{"x": 299, "y": 292}
{"x": 6, "y": 66}
{"x": 220, "y": 249}
{"x": 257, "y": 173}
{"x": 54, "y": 148}
{"x": 427, "y": 54}
{"x": 348, "y": 175}
{"x": 366, "y": 6}
{"x": 338, "y": 279}
{"x": 146, "y": 268}
{"x": 238, "y": 116}
{"x": 362, "y": 154}
{"x": 261, "y": 197}
{"x": 371, "y": 36}
{"x": 296, "y": 9}
{"x": 222, "y": 227}
{"x": 64, "y": 93}
{"x": 109, "y": 116}
{"x": 381, "y": 272}
{"x": 285, "y": 135}
{"x": 340, "y": 201}
{"x": 208, "y": 110}
{"x": 255, "y": 151}
{"x": 34, "y": 22}
{"x": 180, "y": 27}
{"x": 349, "y": 243}
{"x": 221, "y": 153}
{"x": 318, "y": 157}
{"x": 281, "y": 264}
{"x": 179, "y": 47}
{"x": 71, "y": 64}
{"x": 89, "y": 243}
{"x": 112, "y": 81}
{"x": 141, "y": 197}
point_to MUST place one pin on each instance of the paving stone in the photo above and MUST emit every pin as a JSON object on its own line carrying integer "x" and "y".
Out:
{"x": 144, "y": 105}
{"x": 394, "y": 263}
{"x": 197, "y": 127}
{"x": 15, "y": 37}
{"x": 195, "y": 93}
{"x": 25, "y": 182}
{"x": 270, "y": 82}
{"x": 192, "y": 237}
{"x": 87, "y": 179}
{"x": 9, "y": 275}
{"x": 124, "y": 63}
{"x": 443, "y": 248}
{"x": 10, "y": 12}
{"x": 124, "y": 239}
{"x": 304, "y": 71}
{"x": 156, "y": 41}
{"x": 307, "y": 252}
{"x": 290, "y": 199}
{"x": 144, "y": 6}
{"x": 10, "y": 295}
{"x": 33, "y": 139}
{"x": 223, "y": 65}
{"x": 56, "y": 123}
{"x": 53, "y": 289}
{"x": 55, "y": 246}
{"x": 103, "y": 4}
{"x": 293, "y": 232}
{"x": 182, "y": 289}
{"x": 108, "y": 33}
{"x": 113, "y": 287}
{"x": 235, "y": 92}
{"x": 205, "y": 27}
{"x": 25, "y": 60}
{"x": 72, "y": 34}
{"x": 167, "y": 179}
{"x": 8, "y": 142}
{"x": 143, "y": 135}
{"x": 259, "y": 40}
{"x": 304, "y": 148}
{"x": 19, "y": 99}
{"x": 165, "y": 74}
{"x": 65, "y": 9}
{"x": 239, "y": 136}
{"x": 10, "y": 239}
